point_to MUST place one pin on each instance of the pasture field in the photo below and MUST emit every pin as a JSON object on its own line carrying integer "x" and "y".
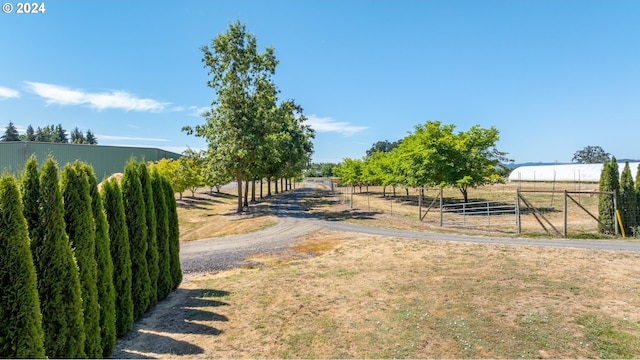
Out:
{"x": 345, "y": 295}
{"x": 540, "y": 195}
{"x": 348, "y": 295}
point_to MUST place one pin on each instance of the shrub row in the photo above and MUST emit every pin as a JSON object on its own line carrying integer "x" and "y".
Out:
{"x": 79, "y": 265}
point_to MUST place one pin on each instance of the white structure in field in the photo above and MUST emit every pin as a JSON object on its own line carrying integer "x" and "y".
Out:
{"x": 565, "y": 172}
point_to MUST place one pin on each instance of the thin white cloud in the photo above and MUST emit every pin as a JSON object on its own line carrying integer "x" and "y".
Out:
{"x": 115, "y": 99}
{"x": 6, "y": 93}
{"x": 327, "y": 124}
{"x": 127, "y": 138}
{"x": 198, "y": 111}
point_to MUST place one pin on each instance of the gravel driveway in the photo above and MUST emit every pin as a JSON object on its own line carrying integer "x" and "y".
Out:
{"x": 217, "y": 254}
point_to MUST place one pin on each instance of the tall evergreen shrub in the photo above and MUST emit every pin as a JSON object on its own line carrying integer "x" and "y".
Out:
{"x": 106, "y": 291}
{"x": 135, "y": 212}
{"x": 152, "y": 241}
{"x": 174, "y": 234}
{"x": 57, "y": 273}
{"x": 628, "y": 200}
{"x": 30, "y": 188}
{"x": 120, "y": 254}
{"x": 78, "y": 218}
{"x": 165, "y": 280}
{"x": 21, "y": 334}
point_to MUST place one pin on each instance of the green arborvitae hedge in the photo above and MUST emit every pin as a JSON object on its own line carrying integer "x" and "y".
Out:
{"x": 120, "y": 254}
{"x": 628, "y": 201}
{"x": 152, "y": 241}
{"x": 135, "y": 211}
{"x": 106, "y": 291}
{"x": 57, "y": 273}
{"x": 174, "y": 234}
{"x": 605, "y": 202}
{"x": 78, "y": 218}
{"x": 165, "y": 281}
{"x": 638, "y": 196}
{"x": 21, "y": 334}
{"x": 30, "y": 188}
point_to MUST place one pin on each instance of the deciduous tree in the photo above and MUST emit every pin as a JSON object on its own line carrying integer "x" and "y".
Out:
{"x": 239, "y": 73}
{"x": 590, "y": 155}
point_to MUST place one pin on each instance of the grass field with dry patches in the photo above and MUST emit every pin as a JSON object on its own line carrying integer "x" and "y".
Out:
{"x": 377, "y": 297}
{"x": 208, "y": 215}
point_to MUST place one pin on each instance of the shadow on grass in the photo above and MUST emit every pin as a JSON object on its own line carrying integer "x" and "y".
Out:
{"x": 181, "y": 313}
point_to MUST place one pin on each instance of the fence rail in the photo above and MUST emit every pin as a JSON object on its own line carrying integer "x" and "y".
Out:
{"x": 485, "y": 213}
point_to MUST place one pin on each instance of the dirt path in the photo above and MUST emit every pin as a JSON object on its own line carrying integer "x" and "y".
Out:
{"x": 174, "y": 314}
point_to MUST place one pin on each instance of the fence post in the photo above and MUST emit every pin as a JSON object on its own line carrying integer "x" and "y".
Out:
{"x": 565, "y": 215}
{"x": 488, "y": 215}
{"x": 420, "y": 203}
{"x": 441, "y": 214}
{"x": 518, "y": 211}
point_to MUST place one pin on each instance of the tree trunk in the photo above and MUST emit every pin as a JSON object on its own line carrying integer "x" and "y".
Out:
{"x": 260, "y": 189}
{"x": 465, "y": 194}
{"x": 282, "y": 185}
{"x": 246, "y": 193}
{"x": 276, "y": 186}
{"x": 239, "y": 180}
{"x": 384, "y": 190}
{"x": 269, "y": 186}
{"x": 253, "y": 190}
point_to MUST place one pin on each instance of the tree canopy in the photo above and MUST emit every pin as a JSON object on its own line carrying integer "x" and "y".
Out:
{"x": 249, "y": 135}
{"x": 432, "y": 155}
{"x": 591, "y": 155}
{"x": 10, "y": 133}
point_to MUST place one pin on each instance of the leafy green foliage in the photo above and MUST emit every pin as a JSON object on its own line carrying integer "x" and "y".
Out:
{"x": 173, "y": 235}
{"x": 241, "y": 78}
{"x": 80, "y": 228}
{"x": 120, "y": 254}
{"x": 135, "y": 212}
{"x": 57, "y": 272}
{"x": 165, "y": 280}
{"x": 433, "y": 155}
{"x": 106, "y": 290}
{"x": 152, "y": 241}
{"x": 590, "y": 155}
{"x": 21, "y": 334}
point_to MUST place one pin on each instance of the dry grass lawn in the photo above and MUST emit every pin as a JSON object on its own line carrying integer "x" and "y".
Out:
{"x": 363, "y": 296}
{"x": 345, "y": 295}
{"x": 214, "y": 215}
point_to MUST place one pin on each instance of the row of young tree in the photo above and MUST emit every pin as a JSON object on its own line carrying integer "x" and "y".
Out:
{"x": 79, "y": 263}
{"x": 627, "y": 198}
{"x": 51, "y": 133}
{"x": 433, "y": 155}
{"x": 250, "y": 135}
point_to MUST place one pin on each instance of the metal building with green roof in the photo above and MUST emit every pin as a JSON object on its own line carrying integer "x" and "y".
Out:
{"x": 106, "y": 160}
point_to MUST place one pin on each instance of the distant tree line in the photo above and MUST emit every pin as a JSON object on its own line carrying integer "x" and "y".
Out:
{"x": 50, "y": 133}
{"x": 433, "y": 155}
{"x": 627, "y": 198}
{"x": 81, "y": 263}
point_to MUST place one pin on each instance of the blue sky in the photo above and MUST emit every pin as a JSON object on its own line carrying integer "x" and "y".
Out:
{"x": 552, "y": 76}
